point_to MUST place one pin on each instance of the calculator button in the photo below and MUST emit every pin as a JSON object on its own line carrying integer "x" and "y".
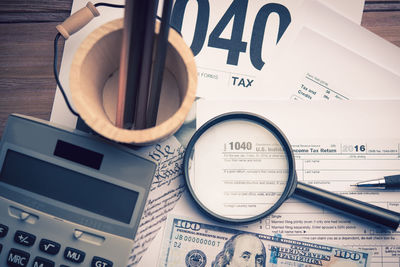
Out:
{"x": 100, "y": 262}
{"x": 78, "y": 234}
{"x": 42, "y": 262}
{"x": 24, "y": 238}
{"x": 88, "y": 237}
{"x": 17, "y": 258}
{"x": 49, "y": 247}
{"x": 74, "y": 255}
{"x": 3, "y": 230}
{"x": 24, "y": 215}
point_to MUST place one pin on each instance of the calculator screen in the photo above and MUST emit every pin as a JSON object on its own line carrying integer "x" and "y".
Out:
{"x": 68, "y": 186}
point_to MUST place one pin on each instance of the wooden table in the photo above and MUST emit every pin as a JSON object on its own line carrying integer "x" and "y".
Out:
{"x": 27, "y": 30}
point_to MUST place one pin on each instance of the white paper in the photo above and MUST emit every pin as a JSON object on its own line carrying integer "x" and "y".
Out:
{"x": 216, "y": 78}
{"x": 233, "y": 67}
{"x": 316, "y": 68}
{"x": 213, "y": 60}
{"x": 349, "y": 9}
{"x": 340, "y": 29}
{"x": 349, "y": 119}
{"x": 336, "y": 144}
{"x": 327, "y": 56}
{"x": 233, "y": 159}
{"x": 166, "y": 189}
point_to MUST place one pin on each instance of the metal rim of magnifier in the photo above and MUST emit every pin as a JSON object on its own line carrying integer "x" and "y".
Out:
{"x": 291, "y": 183}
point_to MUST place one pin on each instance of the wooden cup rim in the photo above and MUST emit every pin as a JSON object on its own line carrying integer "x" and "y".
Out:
{"x": 105, "y": 127}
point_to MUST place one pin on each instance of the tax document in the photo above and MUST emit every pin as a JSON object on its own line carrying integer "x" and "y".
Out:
{"x": 232, "y": 41}
{"x": 327, "y": 56}
{"x": 216, "y": 31}
{"x": 335, "y": 145}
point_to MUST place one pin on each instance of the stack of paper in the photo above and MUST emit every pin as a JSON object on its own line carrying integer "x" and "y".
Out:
{"x": 231, "y": 50}
{"x": 327, "y": 56}
{"x": 322, "y": 56}
{"x": 282, "y": 50}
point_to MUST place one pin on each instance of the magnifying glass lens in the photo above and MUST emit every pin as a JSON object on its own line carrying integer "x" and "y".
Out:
{"x": 238, "y": 169}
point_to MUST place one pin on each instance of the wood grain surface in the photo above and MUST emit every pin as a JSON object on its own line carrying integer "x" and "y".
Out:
{"x": 27, "y": 30}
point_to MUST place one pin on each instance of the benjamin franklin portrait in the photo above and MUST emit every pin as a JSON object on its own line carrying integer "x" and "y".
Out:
{"x": 242, "y": 250}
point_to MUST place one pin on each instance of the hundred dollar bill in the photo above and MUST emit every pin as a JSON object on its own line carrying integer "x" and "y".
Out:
{"x": 192, "y": 244}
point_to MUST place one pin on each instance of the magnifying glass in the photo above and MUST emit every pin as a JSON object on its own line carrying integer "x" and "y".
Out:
{"x": 240, "y": 167}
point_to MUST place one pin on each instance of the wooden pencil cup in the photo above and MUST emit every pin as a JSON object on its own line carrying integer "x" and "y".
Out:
{"x": 94, "y": 85}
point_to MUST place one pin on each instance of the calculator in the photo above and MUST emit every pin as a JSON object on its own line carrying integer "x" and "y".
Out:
{"x": 68, "y": 198}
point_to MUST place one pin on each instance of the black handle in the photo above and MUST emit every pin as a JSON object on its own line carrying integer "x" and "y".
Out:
{"x": 392, "y": 181}
{"x": 371, "y": 213}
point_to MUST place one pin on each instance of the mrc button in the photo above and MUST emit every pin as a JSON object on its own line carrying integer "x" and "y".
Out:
{"x": 74, "y": 255}
{"x": 17, "y": 258}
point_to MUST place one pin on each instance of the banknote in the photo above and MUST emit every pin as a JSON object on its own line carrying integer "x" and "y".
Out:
{"x": 189, "y": 243}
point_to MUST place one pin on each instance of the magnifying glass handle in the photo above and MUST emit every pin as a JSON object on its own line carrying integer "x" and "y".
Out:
{"x": 366, "y": 211}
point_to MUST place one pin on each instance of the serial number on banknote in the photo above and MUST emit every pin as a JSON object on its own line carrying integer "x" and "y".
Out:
{"x": 194, "y": 239}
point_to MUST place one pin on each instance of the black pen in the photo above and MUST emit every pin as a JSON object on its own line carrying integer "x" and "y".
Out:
{"x": 387, "y": 182}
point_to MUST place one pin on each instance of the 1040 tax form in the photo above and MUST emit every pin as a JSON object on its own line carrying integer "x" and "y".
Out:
{"x": 329, "y": 57}
{"x": 335, "y": 144}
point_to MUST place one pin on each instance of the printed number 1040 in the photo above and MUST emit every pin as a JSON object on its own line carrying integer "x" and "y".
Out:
{"x": 236, "y": 12}
{"x": 239, "y": 146}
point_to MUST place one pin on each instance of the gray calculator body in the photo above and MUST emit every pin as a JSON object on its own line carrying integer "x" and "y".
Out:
{"x": 67, "y": 198}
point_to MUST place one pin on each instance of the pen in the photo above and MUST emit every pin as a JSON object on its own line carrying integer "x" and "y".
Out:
{"x": 392, "y": 181}
{"x": 159, "y": 63}
{"x": 135, "y": 64}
